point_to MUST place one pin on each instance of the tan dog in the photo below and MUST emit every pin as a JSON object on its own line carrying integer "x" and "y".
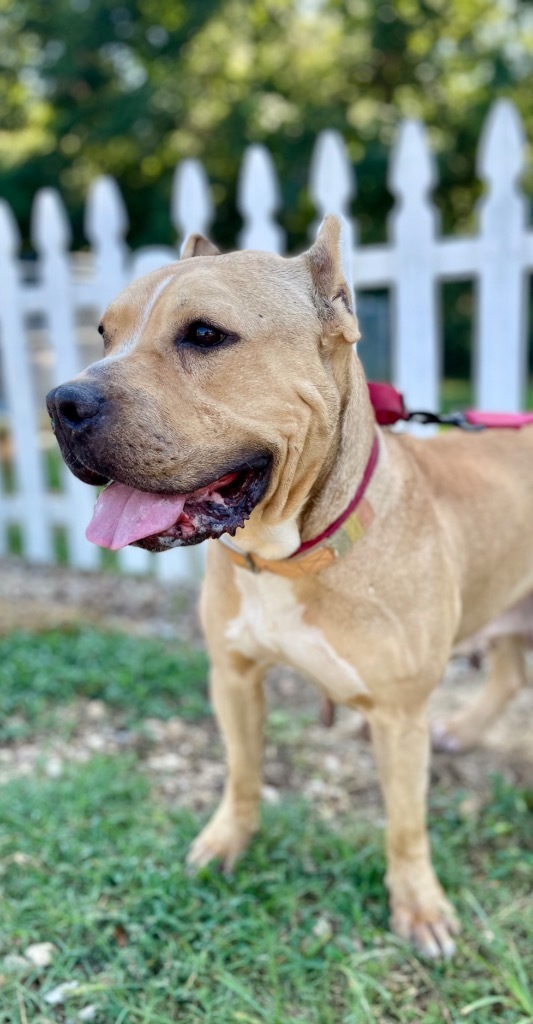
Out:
{"x": 230, "y": 400}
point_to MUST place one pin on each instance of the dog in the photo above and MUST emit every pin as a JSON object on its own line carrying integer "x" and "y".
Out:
{"x": 230, "y": 405}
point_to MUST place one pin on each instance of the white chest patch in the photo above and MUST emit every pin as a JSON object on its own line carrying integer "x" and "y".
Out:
{"x": 271, "y": 626}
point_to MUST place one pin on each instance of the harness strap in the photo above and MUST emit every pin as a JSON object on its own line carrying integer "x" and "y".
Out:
{"x": 389, "y": 408}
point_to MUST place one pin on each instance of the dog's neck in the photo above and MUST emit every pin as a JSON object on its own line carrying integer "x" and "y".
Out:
{"x": 340, "y": 473}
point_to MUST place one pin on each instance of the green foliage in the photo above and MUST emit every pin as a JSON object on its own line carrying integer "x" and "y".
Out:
{"x": 39, "y": 673}
{"x": 97, "y": 86}
{"x": 90, "y": 863}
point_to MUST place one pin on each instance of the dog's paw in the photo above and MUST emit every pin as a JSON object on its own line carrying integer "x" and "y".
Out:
{"x": 223, "y": 839}
{"x": 447, "y": 737}
{"x": 432, "y": 931}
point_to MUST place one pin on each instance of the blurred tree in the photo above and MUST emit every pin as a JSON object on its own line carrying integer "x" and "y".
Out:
{"x": 100, "y": 86}
{"x": 90, "y": 87}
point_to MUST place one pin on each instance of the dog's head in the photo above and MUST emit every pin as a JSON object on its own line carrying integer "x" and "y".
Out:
{"x": 219, "y": 393}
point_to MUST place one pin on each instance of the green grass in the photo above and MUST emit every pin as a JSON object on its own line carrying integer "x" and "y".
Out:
{"x": 92, "y": 864}
{"x": 40, "y": 673}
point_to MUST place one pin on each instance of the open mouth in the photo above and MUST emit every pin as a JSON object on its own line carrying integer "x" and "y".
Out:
{"x": 156, "y": 521}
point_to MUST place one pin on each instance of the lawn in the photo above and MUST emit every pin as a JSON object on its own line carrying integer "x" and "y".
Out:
{"x": 92, "y": 862}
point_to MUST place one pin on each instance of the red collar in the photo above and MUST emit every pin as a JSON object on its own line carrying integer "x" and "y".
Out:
{"x": 359, "y": 494}
{"x": 314, "y": 555}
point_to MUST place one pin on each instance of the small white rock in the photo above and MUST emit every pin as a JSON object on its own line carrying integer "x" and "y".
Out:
{"x": 21, "y": 859}
{"x": 40, "y": 953}
{"x": 88, "y": 1013}
{"x": 96, "y": 710}
{"x": 270, "y": 794}
{"x": 57, "y": 995}
{"x": 54, "y": 767}
{"x": 168, "y": 762}
{"x": 94, "y": 741}
{"x": 322, "y": 928}
{"x": 14, "y": 963}
{"x": 175, "y": 728}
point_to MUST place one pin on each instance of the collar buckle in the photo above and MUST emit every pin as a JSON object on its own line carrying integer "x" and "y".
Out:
{"x": 250, "y": 563}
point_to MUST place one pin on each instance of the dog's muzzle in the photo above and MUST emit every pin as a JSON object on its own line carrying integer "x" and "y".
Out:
{"x": 75, "y": 409}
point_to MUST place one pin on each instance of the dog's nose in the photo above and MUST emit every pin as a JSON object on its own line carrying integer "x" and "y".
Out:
{"x": 75, "y": 406}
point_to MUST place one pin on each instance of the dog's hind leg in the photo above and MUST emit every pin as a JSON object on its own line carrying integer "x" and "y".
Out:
{"x": 420, "y": 911}
{"x": 506, "y": 675}
{"x": 237, "y": 694}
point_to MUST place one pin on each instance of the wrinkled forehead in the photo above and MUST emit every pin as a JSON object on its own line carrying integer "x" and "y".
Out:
{"x": 233, "y": 290}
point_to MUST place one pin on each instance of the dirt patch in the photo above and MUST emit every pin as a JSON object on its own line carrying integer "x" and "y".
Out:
{"x": 333, "y": 767}
{"x": 42, "y": 597}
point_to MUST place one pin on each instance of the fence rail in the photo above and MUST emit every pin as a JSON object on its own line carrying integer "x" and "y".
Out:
{"x": 45, "y": 318}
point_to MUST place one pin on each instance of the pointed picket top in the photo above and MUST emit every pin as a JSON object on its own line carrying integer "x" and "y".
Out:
{"x": 106, "y": 217}
{"x": 258, "y": 183}
{"x": 412, "y": 172}
{"x": 191, "y": 207}
{"x": 501, "y": 370}
{"x": 258, "y": 199}
{"x": 106, "y": 224}
{"x": 9, "y": 231}
{"x": 331, "y": 178}
{"x": 412, "y": 176}
{"x": 50, "y": 228}
{"x": 332, "y": 186}
{"x": 501, "y": 153}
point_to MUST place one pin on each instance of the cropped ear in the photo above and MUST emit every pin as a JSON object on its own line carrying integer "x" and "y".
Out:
{"x": 198, "y": 245}
{"x": 331, "y": 294}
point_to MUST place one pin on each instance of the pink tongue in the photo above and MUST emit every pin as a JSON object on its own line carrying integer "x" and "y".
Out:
{"x": 123, "y": 515}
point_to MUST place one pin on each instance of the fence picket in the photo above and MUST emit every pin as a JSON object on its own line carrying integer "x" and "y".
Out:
{"x": 331, "y": 179}
{"x": 332, "y": 187}
{"x": 258, "y": 199}
{"x": 51, "y": 237}
{"x": 106, "y": 223}
{"x": 191, "y": 205}
{"x": 412, "y": 226}
{"x": 20, "y": 400}
{"x": 501, "y": 328}
{"x": 180, "y": 564}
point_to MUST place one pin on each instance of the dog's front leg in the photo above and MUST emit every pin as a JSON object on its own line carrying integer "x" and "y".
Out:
{"x": 420, "y": 911}
{"x": 237, "y": 694}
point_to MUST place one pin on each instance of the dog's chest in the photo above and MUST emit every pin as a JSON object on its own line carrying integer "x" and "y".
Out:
{"x": 271, "y": 627}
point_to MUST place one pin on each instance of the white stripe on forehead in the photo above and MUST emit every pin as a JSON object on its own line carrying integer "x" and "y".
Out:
{"x": 130, "y": 344}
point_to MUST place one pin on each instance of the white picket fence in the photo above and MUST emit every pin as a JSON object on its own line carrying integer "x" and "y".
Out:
{"x": 45, "y": 316}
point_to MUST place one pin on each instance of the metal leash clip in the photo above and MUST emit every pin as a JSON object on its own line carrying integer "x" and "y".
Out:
{"x": 447, "y": 419}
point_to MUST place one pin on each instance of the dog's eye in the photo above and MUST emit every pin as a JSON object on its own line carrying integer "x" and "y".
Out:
{"x": 203, "y": 335}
